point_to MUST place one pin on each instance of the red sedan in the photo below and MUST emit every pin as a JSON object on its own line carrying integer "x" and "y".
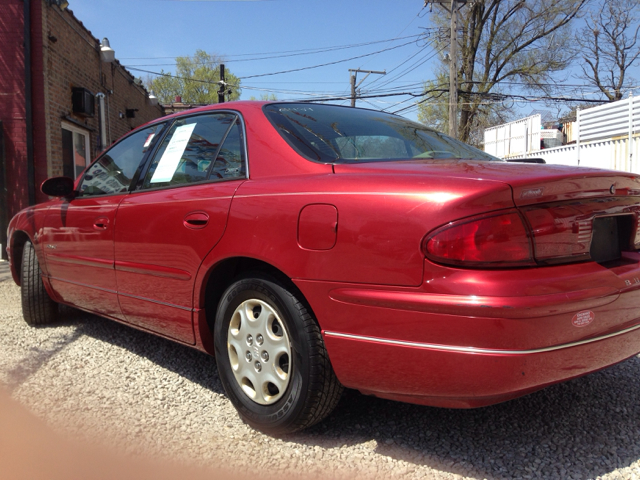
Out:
{"x": 310, "y": 247}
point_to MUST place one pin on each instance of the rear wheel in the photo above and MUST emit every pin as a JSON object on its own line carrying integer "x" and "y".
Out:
{"x": 37, "y": 306}
{"x": 271, "y": 357}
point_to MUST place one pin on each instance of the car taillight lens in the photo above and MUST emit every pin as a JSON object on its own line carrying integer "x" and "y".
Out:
{"x": 561, "y": 234}
{"x": 497, "y": 240}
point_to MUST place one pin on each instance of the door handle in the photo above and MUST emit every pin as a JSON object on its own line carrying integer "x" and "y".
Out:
{"x": 101, "y": 223}
{"x": 196, "y": 220}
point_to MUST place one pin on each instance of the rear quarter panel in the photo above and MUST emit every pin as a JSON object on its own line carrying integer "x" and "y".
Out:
{"x": 380, "y": 227}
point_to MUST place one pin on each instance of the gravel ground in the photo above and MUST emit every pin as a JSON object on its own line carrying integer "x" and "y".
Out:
{"x": 112, "y": 385}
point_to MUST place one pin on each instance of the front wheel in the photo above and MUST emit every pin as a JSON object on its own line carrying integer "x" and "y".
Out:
{"x": 271, "y": 358}
{"x": 37, "y": 306}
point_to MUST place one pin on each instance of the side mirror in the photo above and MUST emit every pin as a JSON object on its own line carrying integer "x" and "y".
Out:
{"x": 57, "y": 187}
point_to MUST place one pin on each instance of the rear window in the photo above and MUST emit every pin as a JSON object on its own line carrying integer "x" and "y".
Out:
{"x": 334, "y": 134}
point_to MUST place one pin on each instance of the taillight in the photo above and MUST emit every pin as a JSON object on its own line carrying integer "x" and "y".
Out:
{"x": 561, "y": 234}
{"x": 495, "y": 240}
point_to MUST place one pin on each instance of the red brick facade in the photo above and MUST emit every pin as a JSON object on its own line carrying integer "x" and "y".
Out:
{"x": 64, "y": 55}
{"x": 12, "y": 102}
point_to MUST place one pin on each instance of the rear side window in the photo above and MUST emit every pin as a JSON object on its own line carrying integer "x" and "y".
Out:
{"x": 115, "y": 169}
{"x": 197, "y": 149}
{"x": 230, "y": 161}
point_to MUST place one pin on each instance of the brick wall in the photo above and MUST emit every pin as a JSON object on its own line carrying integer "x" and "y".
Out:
{"x": 12, "y": 102}
{"x": 72, "y": 59}
{"x": 64, "y": 55}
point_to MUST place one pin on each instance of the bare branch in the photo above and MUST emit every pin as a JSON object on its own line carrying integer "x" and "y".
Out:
{"x": 609, "y": 43}
{"x": 508, "y": 40}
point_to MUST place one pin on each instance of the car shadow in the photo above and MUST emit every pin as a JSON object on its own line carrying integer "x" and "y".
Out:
{"x": 38, "y": 356}
{"x": 584, "y": 428}
{"x": 193, "y": 365}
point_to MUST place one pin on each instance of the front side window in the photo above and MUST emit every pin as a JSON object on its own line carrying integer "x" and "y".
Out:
{"x": 197, "y": 149}
{"x": 333, "y": 134}
{"x": 114, "y": 170}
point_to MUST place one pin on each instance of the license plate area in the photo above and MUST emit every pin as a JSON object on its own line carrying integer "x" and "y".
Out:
{"x": 600, "y": 230}
{"x": 611, "y": 236}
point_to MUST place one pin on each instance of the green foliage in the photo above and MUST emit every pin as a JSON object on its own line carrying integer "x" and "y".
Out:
{"x": 196, "y": 80}
{"x": 433, "y": 111}
{"x": 267, "y": 97}
{"x": 433, "y": 108}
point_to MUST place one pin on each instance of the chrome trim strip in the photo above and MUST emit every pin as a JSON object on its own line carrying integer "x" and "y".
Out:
{"x": 77, "y": 260}
{"x": 489, "y": 351}
{"x": 428, "y": 196}
{"x": 152, "y": 270}
{"x": 158, "y": 302}
{"x": 83, "y": 285}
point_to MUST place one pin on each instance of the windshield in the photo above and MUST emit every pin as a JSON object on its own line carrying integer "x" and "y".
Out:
{"x": 334, "y": 134}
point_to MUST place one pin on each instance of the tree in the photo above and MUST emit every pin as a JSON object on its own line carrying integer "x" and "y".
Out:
{"x": 433, "y": 111}
{"x": 433, "y": 108}
{"x": 609, "y": 43}
{"x": 506, "y": 41}
{"x": 267, "y": 97}
{"x": 196, "y": 80}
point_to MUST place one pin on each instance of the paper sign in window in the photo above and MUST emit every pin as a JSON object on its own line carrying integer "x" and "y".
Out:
{"x": 171, "y": 158}
{"x": 148, "y": 141}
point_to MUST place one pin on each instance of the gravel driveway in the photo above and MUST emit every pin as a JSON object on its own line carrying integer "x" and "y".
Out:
{"x": 108, "y": 383}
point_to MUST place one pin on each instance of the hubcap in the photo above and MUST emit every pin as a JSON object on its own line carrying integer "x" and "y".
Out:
{"x": 262, "y": 366}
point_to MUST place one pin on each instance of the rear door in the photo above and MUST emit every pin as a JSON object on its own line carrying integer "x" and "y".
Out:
{"x": 78, "y": 235}
{"x": 175, "y": 217}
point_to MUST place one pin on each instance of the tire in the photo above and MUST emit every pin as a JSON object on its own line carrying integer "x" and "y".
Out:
{"x": 37, "y": 306}
{"x": 274, "y": 366}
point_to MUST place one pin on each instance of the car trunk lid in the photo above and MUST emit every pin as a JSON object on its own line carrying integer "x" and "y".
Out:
{"x": 574, "y": 214}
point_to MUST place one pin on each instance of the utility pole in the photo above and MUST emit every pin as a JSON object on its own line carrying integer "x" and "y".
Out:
{"x": 453, "y": 64}
{"x": 223, "y": 85}
{"x": 353, "y": 81}
{"x": 453, "y": 72}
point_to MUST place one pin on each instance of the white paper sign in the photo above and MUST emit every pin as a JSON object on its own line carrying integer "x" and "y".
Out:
{"x": 148, "y": 141}
{"x": 172, "y": 155}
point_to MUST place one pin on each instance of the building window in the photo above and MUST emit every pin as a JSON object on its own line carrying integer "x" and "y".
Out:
{"x": 75, "y": 150}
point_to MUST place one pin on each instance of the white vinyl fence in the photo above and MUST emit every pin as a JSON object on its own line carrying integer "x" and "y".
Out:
{"x": 608, "y": 136}
{"x": 521, "y": 137}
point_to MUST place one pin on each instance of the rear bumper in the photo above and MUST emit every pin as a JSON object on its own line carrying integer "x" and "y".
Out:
{"x": 456, "y": 350}
{"x": 467, "y": 377}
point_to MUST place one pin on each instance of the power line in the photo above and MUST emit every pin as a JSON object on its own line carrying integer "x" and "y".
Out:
{"x": 411, "y": 68}
{"x": 402, "y": 31}
{"x": 283, "y": 54}
{"x": 328, "y": 63}
{"x": 387, "y": 80}
{"x": 290, "y": 70}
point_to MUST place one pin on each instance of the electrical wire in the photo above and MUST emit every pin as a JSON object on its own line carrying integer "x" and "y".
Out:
{"x": 283, "y": 54}
{"x": 290, "y": 70}
{"x": 377, "y": 79}
{"x": 328, "y": 63}
{"x": 411, "y": 68}
{"x": 402, "y": 31}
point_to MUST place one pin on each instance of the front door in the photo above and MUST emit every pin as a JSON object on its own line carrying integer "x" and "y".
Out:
{"x": 78, "y": 234}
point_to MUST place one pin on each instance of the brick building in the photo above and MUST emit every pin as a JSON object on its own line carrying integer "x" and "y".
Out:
{"x": 61, "y": 100}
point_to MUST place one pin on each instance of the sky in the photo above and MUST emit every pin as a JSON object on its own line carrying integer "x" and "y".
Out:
{"x": 148, "y": 34}
{"x": 260, "y": 38}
